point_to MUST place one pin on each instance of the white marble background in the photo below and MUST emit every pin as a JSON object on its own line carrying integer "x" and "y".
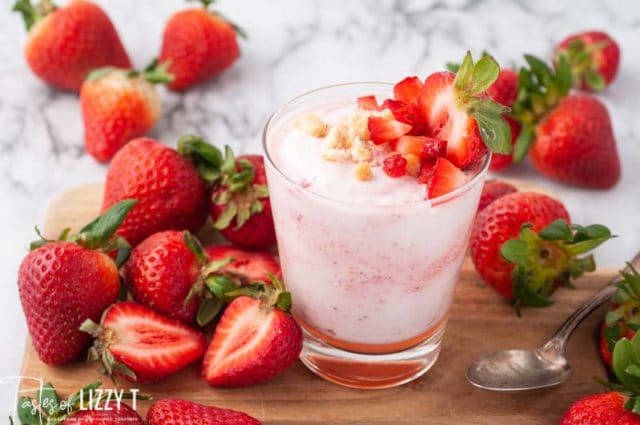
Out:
{"x": 296, "y": 45}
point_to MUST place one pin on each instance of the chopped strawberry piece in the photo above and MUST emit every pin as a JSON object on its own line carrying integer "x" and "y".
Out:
{"x": 368, "y": 103}
{"x": 391, "y": 104}
{"x": 426, "y": 169}
{"x": 408, "y": 90}
{"x": 445, "y": 178}
{"x": 253, "y": 265}
{"x": 410, "y": 114}
{"x": 421, "y": 146}
{"x": 395, "y": 165}
{"x": 386, "y": 129}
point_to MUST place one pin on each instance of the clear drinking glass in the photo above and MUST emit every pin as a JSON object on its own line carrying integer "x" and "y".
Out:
{"x": 371, "y": 284}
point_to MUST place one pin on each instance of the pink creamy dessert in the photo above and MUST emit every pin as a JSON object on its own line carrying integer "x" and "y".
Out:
{"x": 370, "y": 262}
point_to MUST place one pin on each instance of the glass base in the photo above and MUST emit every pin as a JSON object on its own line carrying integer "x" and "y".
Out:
{"x": 370, "y": 371}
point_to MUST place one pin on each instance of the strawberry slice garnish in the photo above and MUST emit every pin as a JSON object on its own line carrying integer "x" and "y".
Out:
{"x": 252, "y": 265}
{"x": 255, "y": 340}
{"x": 384, "y": 129}
{"x": 368, "y": 103}
{"x": 457, "y": 110}
{"x": 408, "y": 90}
{"x": 425, "y": 148}
{"x": 445, "y": 178}
{"x": 139, "y": 344}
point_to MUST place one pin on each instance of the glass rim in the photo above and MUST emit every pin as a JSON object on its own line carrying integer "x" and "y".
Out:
{"x": 431, "y": 202}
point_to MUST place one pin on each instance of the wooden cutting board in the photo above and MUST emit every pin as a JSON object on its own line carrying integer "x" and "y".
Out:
{"x": 479, "y": 322}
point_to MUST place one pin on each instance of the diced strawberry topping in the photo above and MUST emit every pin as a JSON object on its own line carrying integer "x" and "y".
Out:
{"x": 447, "y": 121}
{"x": 368, "y": 103}
{"x": 384, "y": 129}
{"x": 421, "y": 146}
{"x": 445, "y": 178}
{"x": 391, "y": 104}
{"x": 408, "y": 90}
{"x": 395, "y": 165}
{"x": 426, "y": 168}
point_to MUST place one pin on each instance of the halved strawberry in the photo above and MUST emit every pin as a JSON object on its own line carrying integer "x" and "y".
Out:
{"x": 423, "y": 147}
{"x": 368, "y": 103}
{"x": 252, "y": 265}
{"x": 383, "y": 129}
{"x": 444, "y": 178}
{"x": 408, "y": 90}
{"x": 141, "y": 345}
{"x": 255, "y": 340}
{"x": 457, "y": 109}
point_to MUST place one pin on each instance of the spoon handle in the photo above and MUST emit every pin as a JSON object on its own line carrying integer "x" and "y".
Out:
{"x": 558, "y": 342}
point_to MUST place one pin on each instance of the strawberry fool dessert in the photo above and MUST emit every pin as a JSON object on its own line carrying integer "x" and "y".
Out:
{"x": 373, "y": 202}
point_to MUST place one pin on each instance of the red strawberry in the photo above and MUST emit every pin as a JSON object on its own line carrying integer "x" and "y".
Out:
{"x": 168, "y": 271}
{"x": 170, "y": 192}
{"x": 255, "y": 340}
{"x": 368, "y": 103}
{"x": 523, "y": 246}
{"x": 139, "y": 344}
{"x": 444, "y": 178}
{"x": 492, "y": 190}
{"x": 600, "y": 409}
{"x": 119, "y": 105}
{"x": 593, "y": 56}
{"x": 93, "y": 407}
{"x": 240, "y": 205}
{"x": 408, "y": 90}
{"x": 198, "y": 44}
{"x": 65, "y": 44}
{"x": 253, "y": 265}
{"x": 407, "y": 113}
{"x": 575, "y": 144}
{"x": 456, "y": 109}
{"x": 622, "y": 314}
{"x": 394, "y": 165}
{"x": 500, "y": 162}
{"x": 182, "y": 412}
{"x": 385, "y": 129}
{"x": 425, "y": 148}
{"x": 505, "y": 89}
{"x": 61, "y": 283}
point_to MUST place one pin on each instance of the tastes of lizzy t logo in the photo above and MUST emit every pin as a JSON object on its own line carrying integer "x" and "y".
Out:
{"x": 48, "y": 408}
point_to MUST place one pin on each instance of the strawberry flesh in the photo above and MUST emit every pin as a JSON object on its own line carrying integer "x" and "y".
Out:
{"x": 445, "y": 178}
{"x": 384, "y": 129}
{"x": 254, "y": 265}
{"x": 408, "y": 90}
{"x": 368, "y": 103}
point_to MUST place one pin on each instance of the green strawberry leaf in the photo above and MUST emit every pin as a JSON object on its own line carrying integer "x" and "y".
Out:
{"x": 523, "y": 143}
{"x": 228, "y": 214}
{"x": 464, "y": 76}
{"x": 495, "y": 132}
{"x": 206, "y": 157}
{"x": 196, "y": 248}
{"x": 485, "y": 73}
{"x": 96, "y": 234}
{"x": 524, "y": 294}
{"x": 48, "y": 398}
{"x": 219, "y": 285}
{"x": 452, "y": 67}
{"x": 208, "y": 310}
{"x": 156, "y": 73}
{"x": 557, "y": 230}
{"x": 517, "y": 252}
{"x": 28, "y": 414}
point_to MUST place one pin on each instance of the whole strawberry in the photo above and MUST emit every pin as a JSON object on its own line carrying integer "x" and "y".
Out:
{"x": 569, "y": 137}
{"x": 593, "y": 56}
{"x": 198, "y": 44}
{"x": 523, "y": 247}
{"x": 505, "y": 89}
{"x": 492, "y": 190}
{"x": 182, "y": 412}
{"x": 622, "y": 319}
{"x": 171, "y": 273}
{"x": 170, "y": 191}
{"x": 255, "y": 340}
{"x": 621, "y": 406}
{"x": 62, "y": 283}
{"x": 240, "y": 205}
{"x": 137, "y": 343}
{"x": 65, "y": 44}
{"x": 575, "y": 144}
{"x": 118, "y": 105}
{"x": 89, "y": 406}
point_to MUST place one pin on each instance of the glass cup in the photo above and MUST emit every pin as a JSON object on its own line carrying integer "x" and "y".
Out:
{"x": 371, "y": 284}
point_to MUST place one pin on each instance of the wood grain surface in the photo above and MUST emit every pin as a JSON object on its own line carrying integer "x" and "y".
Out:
{"x": 479, "y": 322}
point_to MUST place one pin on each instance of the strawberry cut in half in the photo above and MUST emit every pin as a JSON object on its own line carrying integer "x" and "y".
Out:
{"x": 368, "y": 103}
{"x": 255, "y": 340}
{"x": 445, "y": 178}
{"x": 408, "y": 90}
{"x": 139, "y": 344}
{"x": 384, "y": 129}
{"x": 458, "y": 110}
{"x": 254, "y": 266}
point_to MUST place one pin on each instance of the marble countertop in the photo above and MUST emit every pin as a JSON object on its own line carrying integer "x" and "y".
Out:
{"x": 294, "y": 46}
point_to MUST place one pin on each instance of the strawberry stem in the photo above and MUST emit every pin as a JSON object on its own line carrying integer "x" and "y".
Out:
{"x": 157, "y": 73}
{"x": 32, "y": 14}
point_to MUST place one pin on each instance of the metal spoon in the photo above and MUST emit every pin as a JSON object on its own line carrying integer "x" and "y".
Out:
{"x": 521, "y": 370}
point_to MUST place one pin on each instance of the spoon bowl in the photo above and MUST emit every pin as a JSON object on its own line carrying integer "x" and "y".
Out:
{"x": 518, "y": 370}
